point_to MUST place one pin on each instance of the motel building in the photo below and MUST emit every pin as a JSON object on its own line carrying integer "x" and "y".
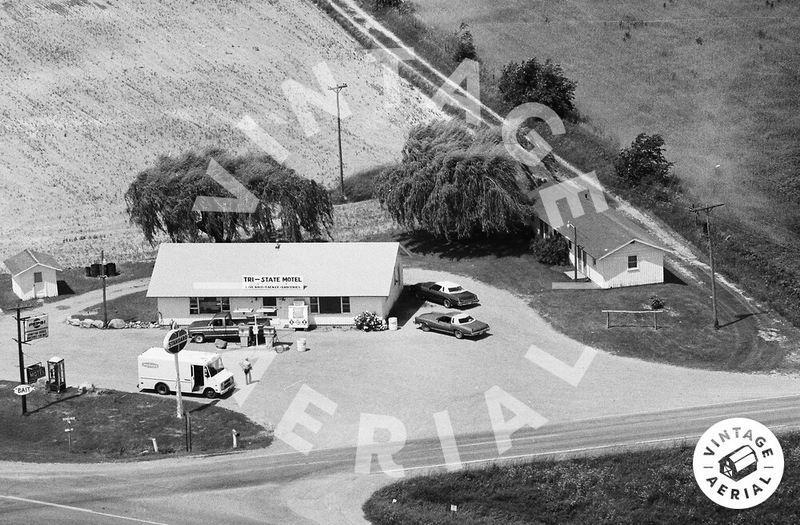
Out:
{"x": 295, "y": 285}
{"x": 612, "y": 251}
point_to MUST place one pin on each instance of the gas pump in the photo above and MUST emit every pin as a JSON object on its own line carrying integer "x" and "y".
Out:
{"x": 56, "y": 381}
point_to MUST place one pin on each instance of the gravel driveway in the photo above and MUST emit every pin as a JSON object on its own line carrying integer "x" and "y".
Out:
{"x": 408, "y": 374}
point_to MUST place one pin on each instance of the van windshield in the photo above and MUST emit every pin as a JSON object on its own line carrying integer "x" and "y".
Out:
{"x": 215, "y": 367}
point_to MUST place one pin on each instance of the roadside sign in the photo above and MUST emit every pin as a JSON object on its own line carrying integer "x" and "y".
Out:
{"x": 35, "y": 327}
{"x": 23, "y": 390}
{"x": 176, "y": 340}
{"x": 34, "y": 372}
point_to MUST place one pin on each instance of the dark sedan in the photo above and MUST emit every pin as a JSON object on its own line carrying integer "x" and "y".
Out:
{"x": 456, "y": 323}
{"x": 445, "y": 293}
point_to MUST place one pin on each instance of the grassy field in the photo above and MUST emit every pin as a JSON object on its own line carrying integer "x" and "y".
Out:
{"x": 111, "y": 425}
{"x": 656, "y": 67}
{"x": 73, "y": 281}
{"x": 94, "y": 93}
{"x": 627, "y": 488}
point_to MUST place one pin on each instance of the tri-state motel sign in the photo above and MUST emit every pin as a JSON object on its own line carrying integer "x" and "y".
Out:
{"x": 263, "y": 282}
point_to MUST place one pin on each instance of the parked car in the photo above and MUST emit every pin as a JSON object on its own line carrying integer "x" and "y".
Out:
{"x": 445, "y": 293}
{"x": 456, "y": 323}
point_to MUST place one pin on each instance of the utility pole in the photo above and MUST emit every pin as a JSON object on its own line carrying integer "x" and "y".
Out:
{"x": 575, "y": 248}
{"x": 22, "y": 378}
{"x": 707, "y": 210}
{"x": 337, "y": 89}
{"x": 103, "y": 276}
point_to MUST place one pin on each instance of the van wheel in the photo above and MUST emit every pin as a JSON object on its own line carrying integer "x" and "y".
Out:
{"x": 459, "y": 334}
{"x": 199, "y": 338}
{"x": 209, "y": 393}
{"x": 162, "y": 389}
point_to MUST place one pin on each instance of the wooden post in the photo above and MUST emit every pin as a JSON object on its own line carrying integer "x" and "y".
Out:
{"x": 608, "y": 319}
{"x": 655, "y": 320}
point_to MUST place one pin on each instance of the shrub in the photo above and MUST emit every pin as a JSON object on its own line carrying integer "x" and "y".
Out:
{"x": 656, "y": 302}
{"x": 388, "y": 4}
{"x": 465, "y": 48}
{"x": 369, "y": 322}
{"x": 553, "y": 251}
{"x": 533, "y": 81}
{"x": 643, "y": 163}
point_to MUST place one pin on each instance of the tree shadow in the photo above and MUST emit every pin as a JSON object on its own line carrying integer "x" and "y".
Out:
{"x": 499, "y": 246}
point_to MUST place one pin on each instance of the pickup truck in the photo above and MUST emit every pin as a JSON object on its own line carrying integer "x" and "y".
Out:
{"x": 445, "y": 293}
{"x": 221, "y": 326}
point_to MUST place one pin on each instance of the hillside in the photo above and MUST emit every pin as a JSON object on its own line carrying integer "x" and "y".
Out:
{"x": 719, "y": 80}
{"x": 93, "y": 92}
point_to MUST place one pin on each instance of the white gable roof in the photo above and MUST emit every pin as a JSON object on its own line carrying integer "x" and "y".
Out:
{"x": 358, "y": 269}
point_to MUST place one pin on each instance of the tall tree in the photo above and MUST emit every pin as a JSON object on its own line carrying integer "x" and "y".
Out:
{"x": 454, "y": 183}
{"x": 160, "y": 200}
{"x": 532, "y": 81}
{"x": 644, "y": 162}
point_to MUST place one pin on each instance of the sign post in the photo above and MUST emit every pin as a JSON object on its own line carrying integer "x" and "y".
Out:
{"x": 35, "y": 327}
{"x": 174, "y": 342}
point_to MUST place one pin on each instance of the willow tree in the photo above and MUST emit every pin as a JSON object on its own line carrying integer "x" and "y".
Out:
{"x": 161, "y": 198}
{"x": 455, "y": 183}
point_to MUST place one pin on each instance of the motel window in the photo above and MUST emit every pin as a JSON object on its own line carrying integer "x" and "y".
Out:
{"x": 270, "y": 302}
{"x": 633, "y": 262}
{"x": 330, "y": 305}
{"x": 37, "y": 277}
{"x": 209, "y": 305}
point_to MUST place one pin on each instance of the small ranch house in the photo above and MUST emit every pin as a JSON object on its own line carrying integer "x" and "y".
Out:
{"x": 33, "y": 274}
{"x": 612, "y": 250}
{"x": 295, "y": 284}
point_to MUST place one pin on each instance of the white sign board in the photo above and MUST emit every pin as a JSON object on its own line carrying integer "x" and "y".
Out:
{"x": 276, "y": 282}
{"x": 35, "y": 327}
{"x": 23, "y": 390}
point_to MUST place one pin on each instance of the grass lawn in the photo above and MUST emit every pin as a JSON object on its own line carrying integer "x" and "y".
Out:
{"x": 134, "y": 307}
{"x": 73, "y": 281}
{"x": 628, "y": 488}
{"x": 112, "y": 425}
{"x": 684, "y": 336}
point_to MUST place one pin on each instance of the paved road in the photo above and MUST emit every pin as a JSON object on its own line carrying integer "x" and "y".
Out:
{"x": 246, "y": 488}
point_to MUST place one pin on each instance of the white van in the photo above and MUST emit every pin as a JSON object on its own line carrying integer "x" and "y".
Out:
{"x": 201, "y": 373}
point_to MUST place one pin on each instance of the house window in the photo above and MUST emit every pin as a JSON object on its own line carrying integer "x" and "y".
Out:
{"x": 633, "y": 262}
{"x": 270, "y": 302}
{"x": 37, "y": 277}
{"x": 330, "y": 305}
{"x": 209, "y": 305}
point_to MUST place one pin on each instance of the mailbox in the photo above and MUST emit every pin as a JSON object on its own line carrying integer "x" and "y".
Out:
{"x": 56, "y": 380}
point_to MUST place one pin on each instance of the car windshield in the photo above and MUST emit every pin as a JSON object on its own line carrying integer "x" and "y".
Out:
{"x": 455, "y": 289}
{"x": 464, "y": 320}
{"x": 215, "y": 367}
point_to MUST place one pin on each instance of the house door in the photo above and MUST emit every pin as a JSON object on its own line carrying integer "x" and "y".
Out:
{"x": 38, "y": 285}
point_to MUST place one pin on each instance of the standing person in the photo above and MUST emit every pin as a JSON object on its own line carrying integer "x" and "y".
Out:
{"x": 246, "y": 368}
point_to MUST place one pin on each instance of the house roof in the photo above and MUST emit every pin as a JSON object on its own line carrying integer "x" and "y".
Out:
{"x": 27, "y": 259}
{"x": 599, "y": 234}
{"x": 358, "y": 269}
